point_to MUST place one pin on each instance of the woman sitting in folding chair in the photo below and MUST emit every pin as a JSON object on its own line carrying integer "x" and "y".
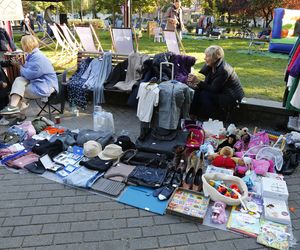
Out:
{"x": 38, "y": 78}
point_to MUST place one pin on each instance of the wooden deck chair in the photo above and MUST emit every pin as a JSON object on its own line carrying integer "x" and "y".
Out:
{"x": 88, "y": 36}
{"x": 66, "y": 49}
{"x": 71, "y": 39}
{"x": 173, "y": 42}
{"x": 44, "y": 42}
{"x": 122, "y": 40}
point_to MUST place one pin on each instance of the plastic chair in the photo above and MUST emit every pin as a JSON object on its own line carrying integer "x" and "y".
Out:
{"x": 122, "y": 40}
{"x": 158, "y": 35}
{"x": 88, "y": 36}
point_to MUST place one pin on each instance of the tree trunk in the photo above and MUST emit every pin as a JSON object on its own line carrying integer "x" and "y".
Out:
{"x": 254, "y": 21}
{"x": 229, "y": 18}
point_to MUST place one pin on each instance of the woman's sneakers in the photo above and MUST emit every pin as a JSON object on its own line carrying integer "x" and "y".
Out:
{"x": 9, "y": 110}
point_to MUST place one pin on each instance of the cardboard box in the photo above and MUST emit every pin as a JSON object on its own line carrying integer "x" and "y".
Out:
{"x": 274, "y": 188}
{"x": 277, "y": 211}
{"x": 188, "y": 204}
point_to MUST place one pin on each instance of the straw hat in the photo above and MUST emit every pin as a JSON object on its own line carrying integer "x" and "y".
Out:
{"x": 111, "y": 152}
{"x": 91, "y": 149}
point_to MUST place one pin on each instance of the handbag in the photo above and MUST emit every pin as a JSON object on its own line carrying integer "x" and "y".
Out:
{"x": 119, "y": 172}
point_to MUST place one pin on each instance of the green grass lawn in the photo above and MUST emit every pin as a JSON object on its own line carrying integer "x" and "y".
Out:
{"x": 261, "y": 76}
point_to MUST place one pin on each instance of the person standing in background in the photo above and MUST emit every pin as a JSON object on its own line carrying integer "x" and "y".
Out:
{"x": 40, "y": 21}
{"x": 174, "y": 18}
{"x": 31, "y": 20}
{"x": 48, "y": 18}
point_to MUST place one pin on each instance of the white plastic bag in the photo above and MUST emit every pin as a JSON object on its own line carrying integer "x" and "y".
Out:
{"x": 103, "y": 121}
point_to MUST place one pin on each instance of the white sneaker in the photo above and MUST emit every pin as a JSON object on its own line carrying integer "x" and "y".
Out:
{"x": 3, "y": 122}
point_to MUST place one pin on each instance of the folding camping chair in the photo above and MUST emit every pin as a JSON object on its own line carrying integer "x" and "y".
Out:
{"x": 66, "y": 48}
{"x": 46, "y": 41}
{"x": 71, "y": 39}
{"x": 55, "y": 98}
{"x": 88, "y": 36}
{"x": 122, "y": 40}
{"x": 173, "y": 42}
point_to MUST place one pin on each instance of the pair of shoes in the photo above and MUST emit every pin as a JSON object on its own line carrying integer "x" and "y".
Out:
{"x": 163, "y": 193}
{"x": 4, "y": 122}
{"x": 8, "y": 110}
{"x": 193, "y": 180}
{"x": 169, "y": 178}
{"x": 178, "y": 156}
{"x": 177, "y": 179}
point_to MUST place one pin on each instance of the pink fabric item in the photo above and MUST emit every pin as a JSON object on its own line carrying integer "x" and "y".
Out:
{"x": 260, "y": 167}
{"x": 260, "y": 138}
{"x": 28, "y": 128}
{"x": 11, "y": 149}
{"x": 23, "y": 160}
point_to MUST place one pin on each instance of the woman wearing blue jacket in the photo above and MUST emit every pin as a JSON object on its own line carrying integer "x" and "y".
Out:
{"x": 38, "y": 78}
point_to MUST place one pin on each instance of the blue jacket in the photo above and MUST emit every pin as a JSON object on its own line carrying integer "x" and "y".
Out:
{"x": 40, "y": 72}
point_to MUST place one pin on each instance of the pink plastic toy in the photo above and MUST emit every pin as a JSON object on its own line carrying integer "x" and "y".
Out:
{"x": 218, "y": 215}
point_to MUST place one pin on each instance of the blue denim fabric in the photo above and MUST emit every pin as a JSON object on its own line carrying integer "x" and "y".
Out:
{"x": 146, "y": 176}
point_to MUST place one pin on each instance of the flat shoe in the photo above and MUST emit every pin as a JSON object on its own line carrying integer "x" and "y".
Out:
{"x": 8, "y": 110}
{"x": 165, "y": 193}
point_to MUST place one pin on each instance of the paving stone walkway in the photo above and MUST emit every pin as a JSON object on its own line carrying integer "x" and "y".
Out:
{"x": 36, "y": 213}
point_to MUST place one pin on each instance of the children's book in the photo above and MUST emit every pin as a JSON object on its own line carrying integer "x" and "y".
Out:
{"x": 277, "y": 211}
{"x": 244, "y": 222}
{"x": 273, "y": 235}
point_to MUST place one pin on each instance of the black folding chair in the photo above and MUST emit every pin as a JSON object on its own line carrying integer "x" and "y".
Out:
{"x": 54, "y": 99}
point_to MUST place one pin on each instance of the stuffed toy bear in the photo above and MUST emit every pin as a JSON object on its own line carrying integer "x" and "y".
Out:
{"x": 225, "y": 159}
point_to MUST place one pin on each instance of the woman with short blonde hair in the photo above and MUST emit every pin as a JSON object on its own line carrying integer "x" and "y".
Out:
{"x": 38, "y": 78}
{"x": 220, "y": 89}
{"x": 29, "y": 43}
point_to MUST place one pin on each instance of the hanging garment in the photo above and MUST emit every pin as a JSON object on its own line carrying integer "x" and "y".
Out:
{"x": 134, "y": 71}
{"x": 182, "y": 66}
{"x": 117, "y": 74}
{"x": 96, "y": 74}
{"x": 76, "y": 94}
{"x": 296, "y": 97}
{"x": 295, "y": 69}
{"x": 174, "y": 99}
{"x": 148, "y": 96}
{"x": 6, "y": 43}
{"x": 289, "y": 106}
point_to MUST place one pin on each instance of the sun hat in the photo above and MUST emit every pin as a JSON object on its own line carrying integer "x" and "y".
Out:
{"x": 91, "y": 149}
{"x": 111, "y": 152}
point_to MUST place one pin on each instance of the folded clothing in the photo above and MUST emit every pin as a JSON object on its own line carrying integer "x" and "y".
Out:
{"x": 85, "y": 135}
{"x": 82, "y": 177}
{"x": 146, "y": 176}
{"x": 51, "y": 148}
{"x": 97, "y": 164}
{"x": 22, "y": 161}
